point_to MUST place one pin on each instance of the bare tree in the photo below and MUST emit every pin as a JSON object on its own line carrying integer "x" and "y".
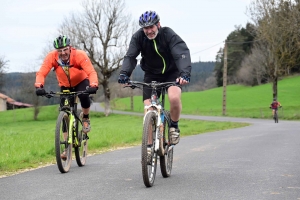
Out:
{"x": 277, "y": 26}
{"x": 253, "y": 67}
{"x": 210, "y": 82}
{"x": 3, "y": 67}
{"x": 27, "y": 89}
{"x": 102, "y": 31}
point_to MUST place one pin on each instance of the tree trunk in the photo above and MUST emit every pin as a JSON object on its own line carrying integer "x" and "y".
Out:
{"x": 106, "y": 90}
{"x": 275, "y": 81}
{"x": 36, "y": 112}
{"x": 131, "y": 96}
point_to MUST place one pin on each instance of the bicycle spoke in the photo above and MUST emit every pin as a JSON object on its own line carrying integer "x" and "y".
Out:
{"x": 149, "y": 160}
{"x": 82, "y": 143}
{"x": 166, "y": 161}
{"x": 164, "y": 151}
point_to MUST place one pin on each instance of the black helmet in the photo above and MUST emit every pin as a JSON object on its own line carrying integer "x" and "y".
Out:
{"x": 61, "y": 41}
{"x": 148, "y": 18}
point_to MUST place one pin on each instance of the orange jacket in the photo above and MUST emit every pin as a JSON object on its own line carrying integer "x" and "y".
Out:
{"x": 80, "y": 68}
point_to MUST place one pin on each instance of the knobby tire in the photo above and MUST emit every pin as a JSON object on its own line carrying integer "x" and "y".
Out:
{"x": 166, "y": 161}
{"x": 276, "y": 117}
{"x": 62, "y": 125}
{"x": 149, "y": 169}
{"x": 81, "y": 147}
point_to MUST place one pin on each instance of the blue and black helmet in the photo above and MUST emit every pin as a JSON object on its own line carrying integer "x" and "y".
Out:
{"x": 61, "y": 41}
{"x": 148, "y": 18}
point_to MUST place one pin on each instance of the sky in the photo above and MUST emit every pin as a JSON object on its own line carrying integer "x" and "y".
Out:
{"x": 27, "y": 27}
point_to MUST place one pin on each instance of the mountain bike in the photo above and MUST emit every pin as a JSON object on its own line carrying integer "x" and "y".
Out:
{"x": 156, "y": 137}
{"x": 68, "y": 131}
{"x": 275, "y": 117}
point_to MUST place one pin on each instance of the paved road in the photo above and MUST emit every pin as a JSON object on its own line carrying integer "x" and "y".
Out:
{"x": 260, "y": 161}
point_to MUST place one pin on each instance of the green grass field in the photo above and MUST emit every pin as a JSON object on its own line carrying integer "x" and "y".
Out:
{"x": 242, "y": 101}
{"x": 28, "y": 144}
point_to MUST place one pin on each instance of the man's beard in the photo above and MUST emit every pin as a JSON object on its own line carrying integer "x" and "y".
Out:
{"x": 156, "y": 32}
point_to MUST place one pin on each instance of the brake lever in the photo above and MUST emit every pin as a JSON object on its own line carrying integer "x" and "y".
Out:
{"x": 48, "y": 95}
{"x": 131, "y": 86}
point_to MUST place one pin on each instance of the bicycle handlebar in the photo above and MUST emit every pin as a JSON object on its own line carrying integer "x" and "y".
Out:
{"x": 153, "y": 84}
{"x": 64, "y": 92}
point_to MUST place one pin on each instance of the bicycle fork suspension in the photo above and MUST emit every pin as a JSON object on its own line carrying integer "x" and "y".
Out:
{"x": 71, "y": 128}
{"x": 160, "y": 134}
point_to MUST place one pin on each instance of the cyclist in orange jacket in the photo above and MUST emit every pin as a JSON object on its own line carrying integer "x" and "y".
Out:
{"x": 274, "y": 106}
{"x": 74, "y": 71}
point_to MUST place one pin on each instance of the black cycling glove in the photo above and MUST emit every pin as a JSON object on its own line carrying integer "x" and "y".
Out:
{"x": 40, "y": 91}
{"x": 91, "y": 90}
{"x": 123, "y": 78}
{"x": 186, "y": 78}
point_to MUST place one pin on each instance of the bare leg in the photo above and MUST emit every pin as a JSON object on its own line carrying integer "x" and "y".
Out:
{"x": 146, "y": 103}
{"x": 174, "y": 94}
{"x": 86, "y": 111}
{"x": 65, "y": 136}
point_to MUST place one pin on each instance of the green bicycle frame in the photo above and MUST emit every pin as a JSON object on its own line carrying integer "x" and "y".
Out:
{"x": 72, "y": 124}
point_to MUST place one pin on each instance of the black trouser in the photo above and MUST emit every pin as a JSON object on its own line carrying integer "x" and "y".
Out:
{"x": 168, "y": 77}
{"x": 84, "y": 98}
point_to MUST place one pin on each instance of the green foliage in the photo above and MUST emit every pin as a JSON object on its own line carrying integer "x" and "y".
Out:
{"x": 239, "y": 44}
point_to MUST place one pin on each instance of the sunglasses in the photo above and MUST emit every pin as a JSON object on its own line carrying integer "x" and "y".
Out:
{"x": 62, "y": 50}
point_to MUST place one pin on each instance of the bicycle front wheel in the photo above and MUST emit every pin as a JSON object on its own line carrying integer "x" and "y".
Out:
{"x": 63, "y": 149}
{"x": 149, "y": 156}
{"x": 166, "y": 161}
{"x": 81, "y": 142}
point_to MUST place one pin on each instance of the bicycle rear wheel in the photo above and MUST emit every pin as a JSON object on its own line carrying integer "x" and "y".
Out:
{"x": 81, "y": 143}
{"x": 276, "y": 117}
{"x": 61, "y": 143}
{"x": 149, "y": 162}
{"x": 166, "y": 161}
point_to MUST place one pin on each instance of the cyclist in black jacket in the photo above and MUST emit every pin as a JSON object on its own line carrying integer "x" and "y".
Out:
{"x": 165, "y": 58}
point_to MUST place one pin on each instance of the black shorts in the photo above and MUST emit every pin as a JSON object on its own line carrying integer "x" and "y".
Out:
{"x": 168, "y": 77}
{"x": 84, "y": 98}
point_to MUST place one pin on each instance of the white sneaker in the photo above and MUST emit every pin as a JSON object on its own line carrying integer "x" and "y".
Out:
{"x": 174, "y": 135}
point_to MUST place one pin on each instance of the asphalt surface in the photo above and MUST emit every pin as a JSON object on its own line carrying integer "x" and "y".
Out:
{"x": 260, "y": 161}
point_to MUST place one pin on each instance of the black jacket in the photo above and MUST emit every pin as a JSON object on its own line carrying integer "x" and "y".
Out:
{"x": 166, "y": 53}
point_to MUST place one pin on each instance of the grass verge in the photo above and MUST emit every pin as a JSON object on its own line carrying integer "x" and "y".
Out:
{"x": 29, "y": 144}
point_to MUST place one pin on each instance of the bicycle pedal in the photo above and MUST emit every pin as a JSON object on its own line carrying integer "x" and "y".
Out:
{"x": 85, "y": 137}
